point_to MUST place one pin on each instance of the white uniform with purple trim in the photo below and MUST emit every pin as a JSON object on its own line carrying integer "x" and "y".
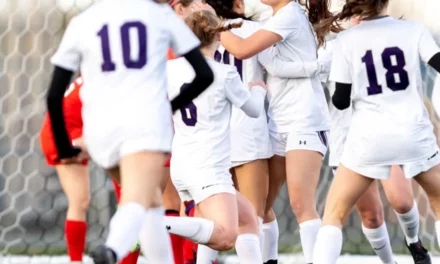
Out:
{"x": 298, "y": 112}
{"x": 249, "y": 136}
{"x": 390, "y": 124}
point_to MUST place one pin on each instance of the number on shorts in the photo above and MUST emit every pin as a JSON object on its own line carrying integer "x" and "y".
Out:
{"x": 392, "y": 70}
{"x": 238, "y": 63}
{"x": 189, "y": 112}
{"x": 131, "y": 63}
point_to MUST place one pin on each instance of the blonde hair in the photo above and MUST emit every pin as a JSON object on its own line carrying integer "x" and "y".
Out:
{"x": 206, "y": 25}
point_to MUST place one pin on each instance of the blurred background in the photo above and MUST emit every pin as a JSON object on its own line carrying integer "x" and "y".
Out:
{"x": 32, "y": 205}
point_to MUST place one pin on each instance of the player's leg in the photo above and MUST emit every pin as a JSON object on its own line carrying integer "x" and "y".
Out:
{"x": 74, "y": 179}
{"x": 400, "y": 195}
{"x": 135, "y": 251}
{"x": 370, "y": 209}
{"x": 190, "y": 248}
{"x": 252, "y": 180}
{"x": 277, "y": 177}
{"x": 218, "y": 228}
{"x": 304, "y": 153}
{"x": 171, "y": 202}
{"x": 140, "y": 213}
{"x": 429, "y": 181}
{"x": 340, "y": 201}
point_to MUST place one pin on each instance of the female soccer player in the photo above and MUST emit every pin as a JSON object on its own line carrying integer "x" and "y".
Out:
{"x": 129, "y": 82}
{"x": 74, "y": 177}
{"x": 381, "y": 77}
{"x": 201, "y": 150}
{"x": 298, "y": 113}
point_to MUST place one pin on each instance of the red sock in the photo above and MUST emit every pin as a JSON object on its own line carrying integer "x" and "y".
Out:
{"x": 176, "y": 241}
{"x": 75, "y": 232}
{"x": 117, "y": 190}
{"x": 131, "y": 258}
{"x": 189, "y": 247}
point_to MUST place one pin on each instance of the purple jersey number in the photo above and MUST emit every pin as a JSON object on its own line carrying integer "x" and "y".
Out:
{"x": 238, "y": 63}
{"x": 392, "y": 70}
{"x": 189, "y": 112}
{"x": 138, "y": 63}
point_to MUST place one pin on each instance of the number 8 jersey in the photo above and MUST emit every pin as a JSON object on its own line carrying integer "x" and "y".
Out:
{"x": 121, "y": 48}
{"x": 381, "y": 59}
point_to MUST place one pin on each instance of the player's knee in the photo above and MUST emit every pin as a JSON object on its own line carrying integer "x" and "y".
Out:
{"x": 302, "y": 210}
{"x": 402, "y": 205}
{"x": 228, "y": 240}
{"x": 372, "y": 219}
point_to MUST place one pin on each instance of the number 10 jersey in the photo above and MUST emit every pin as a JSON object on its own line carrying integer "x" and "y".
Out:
{"x": 381, "y": 59}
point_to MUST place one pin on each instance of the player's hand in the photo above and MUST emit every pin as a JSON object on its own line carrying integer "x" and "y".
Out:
{"x": 258, "y": 83}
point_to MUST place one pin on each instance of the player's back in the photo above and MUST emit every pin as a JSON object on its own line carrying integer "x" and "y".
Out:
{"x": 383, "y": 58}
{"x": 201, "y": 138}
{"x": 124, "y": 45}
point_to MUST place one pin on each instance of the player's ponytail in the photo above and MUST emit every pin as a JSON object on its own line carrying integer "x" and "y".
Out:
{"x": 225, "y": 9}
{"x": 365, "y": 9}
{"x": 319, "y": 11}
{"x": 206, "y": 25}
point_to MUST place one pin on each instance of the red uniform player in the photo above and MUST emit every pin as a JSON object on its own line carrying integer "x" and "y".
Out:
{"x": 74, "y": 178}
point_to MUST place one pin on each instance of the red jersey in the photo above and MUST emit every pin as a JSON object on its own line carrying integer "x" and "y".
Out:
{"x": 72, "y": 115}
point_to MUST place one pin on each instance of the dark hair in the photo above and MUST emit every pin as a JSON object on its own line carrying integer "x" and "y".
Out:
{"x": 318, "y": 11}
{"x": 224, "y": 9}
{"x": 206, "y": 25}
{"x": 365, "y": 9}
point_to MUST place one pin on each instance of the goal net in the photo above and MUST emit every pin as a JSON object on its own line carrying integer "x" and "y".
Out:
{"x": 32, "y": 205}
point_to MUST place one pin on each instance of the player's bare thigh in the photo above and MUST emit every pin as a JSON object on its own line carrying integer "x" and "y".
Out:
{"x": 370, "y": 208}
{"x": 277, "y": 177}
{"x": 141, "y": 176}
{"x": 303, "y": 168}
{"x": 430, "y": 182}
{"x": 398, "y": 191}
{"x": 252, "y": 180}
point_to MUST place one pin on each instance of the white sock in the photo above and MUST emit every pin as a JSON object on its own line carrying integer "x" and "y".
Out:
{"x": 248, "y": 249}
{"x": 124, "y": 228}
{"x": 260, "y": 229}
{"x": 270, "y": 245}
{"x": 437, "y": 229}
{"x": 308, "y": 231}
{"x": 409, "y": 222}
{"x": 328, "y": 245}
{"x": 196, "y": 229}
{"x": 206, "y": 255}
{"x": 154, "y": 239}
{"x": 380, "y": 242}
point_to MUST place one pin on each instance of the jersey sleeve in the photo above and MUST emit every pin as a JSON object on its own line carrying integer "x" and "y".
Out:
{"x": 183, "y": 39}
{"x": 283, "y": 24}
{"x": 68, "y": 55}
{"x": 427, "y": 45}
{"x": 236, "y": 92}
{"x": 340, "y": 70}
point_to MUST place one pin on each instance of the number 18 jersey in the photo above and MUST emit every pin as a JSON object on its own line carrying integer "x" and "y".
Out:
{"x": 381, "y": 59}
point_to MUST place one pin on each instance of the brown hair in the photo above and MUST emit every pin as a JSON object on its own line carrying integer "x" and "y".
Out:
{"x": 365, "y": 9}
{"x": 318, "y": 11}
{"x": 206, "y": 25}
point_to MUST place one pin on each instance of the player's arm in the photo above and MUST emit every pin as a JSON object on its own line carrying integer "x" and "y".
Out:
{"x": 434, "y": 62}
{"x": 60, "y": 81}
{"x": 66, "y": 61}
{"x": 342, "y": 97}
{"x": 341, "y": 74}
{"x": 275, "y": 66}
{"x": 204, "y": 78}
{"x": 238, "y": 94}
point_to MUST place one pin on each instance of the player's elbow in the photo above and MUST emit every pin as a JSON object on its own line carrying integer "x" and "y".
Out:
{"x": 340, "y": 103}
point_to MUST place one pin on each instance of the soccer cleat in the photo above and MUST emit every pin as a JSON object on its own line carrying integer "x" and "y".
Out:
{"x": 271, "y": 261}
{"x": 419, "y": 253}
{"x": 103, "y": 255}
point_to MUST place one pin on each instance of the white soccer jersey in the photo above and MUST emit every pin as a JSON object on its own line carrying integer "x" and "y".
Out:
{"x": 249, "y": 136}
{"x": 120, "y": 47}
{"x": 390, "y": 123}
{"x": 202, "y": 145}
{"x": 436, "y": 95}
{"x": 295, "y": 104}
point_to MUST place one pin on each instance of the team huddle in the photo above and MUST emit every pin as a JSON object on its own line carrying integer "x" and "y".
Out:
{"x": 241, "y": 107}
